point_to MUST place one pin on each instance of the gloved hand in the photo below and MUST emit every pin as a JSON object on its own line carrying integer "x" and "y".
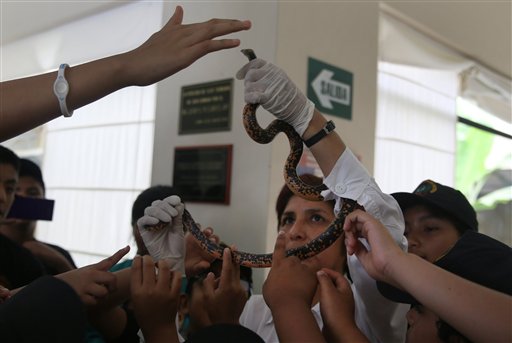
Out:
{"x": 167, "y": 243}
{"x": 269, "y": 86}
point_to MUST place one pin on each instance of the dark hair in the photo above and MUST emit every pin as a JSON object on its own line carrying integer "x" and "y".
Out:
{"x": 446, "y": 333}
{"x": 285, "y": 194}
{"x": 147, "y": 196}
{"x": 7, "y": 156}
{"x": 31, "y": 169}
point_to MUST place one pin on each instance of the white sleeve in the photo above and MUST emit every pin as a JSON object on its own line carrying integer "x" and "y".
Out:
{"x": 379, "y": 318}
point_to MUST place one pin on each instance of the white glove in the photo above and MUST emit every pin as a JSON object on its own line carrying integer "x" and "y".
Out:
{"x": 169, "y": 242}
{"x": 269, "y": 86}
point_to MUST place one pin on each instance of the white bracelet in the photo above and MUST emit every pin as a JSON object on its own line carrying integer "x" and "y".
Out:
{"x": 61, "y": 90}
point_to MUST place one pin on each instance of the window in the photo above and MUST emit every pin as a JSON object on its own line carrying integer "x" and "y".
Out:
{"x": 95, "y": 163}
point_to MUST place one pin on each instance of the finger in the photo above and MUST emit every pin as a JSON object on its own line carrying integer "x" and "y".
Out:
{"x": 164, "y": 274}
{"x": 107, "y": 263}
{"x": 97, "y": 291}
{"x": 148, "y": 271}
{"x": 227, "y": 272}
{"x": 202, "y": 48}
{"x": 212, "y": 28}
{"x": 173, "y": 200}
{"x": 254, "y": 64}
{"x": 177, "y": 17}
{"x": 161, "y": 210}
{"x": 175, "y": 283}
{"x": 106, "y": 279}
{"x": 338, "y": 280}
{"x": 136, "y": 272}
{"x": 279, "y": 249}
{"x": 209, "y": 285}
{"x": 325, "y": 283}
{"x": 88, "y": 300}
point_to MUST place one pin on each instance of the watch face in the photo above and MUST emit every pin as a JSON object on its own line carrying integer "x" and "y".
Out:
{"x": 61, "y": 87}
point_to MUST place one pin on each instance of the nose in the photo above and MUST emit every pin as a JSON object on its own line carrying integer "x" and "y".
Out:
{"x": 297, "y": 232}
{"x": 412, "y": 240}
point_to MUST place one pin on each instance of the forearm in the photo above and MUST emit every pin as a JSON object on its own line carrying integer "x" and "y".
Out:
{"x": 303, "y": 327}
{"x": 327, "y": 150}
{"x": 481, "y": 314}
{"x": 110, "y": 323}
{"x": 33, "y": 99}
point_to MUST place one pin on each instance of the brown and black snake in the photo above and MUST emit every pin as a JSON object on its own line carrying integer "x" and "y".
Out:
{"x": 296, "y": 185}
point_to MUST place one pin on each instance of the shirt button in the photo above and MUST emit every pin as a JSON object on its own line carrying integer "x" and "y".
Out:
{"x": 340, "y": 189}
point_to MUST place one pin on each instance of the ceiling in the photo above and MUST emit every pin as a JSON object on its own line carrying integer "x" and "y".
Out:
{"x": 480, "y": 29}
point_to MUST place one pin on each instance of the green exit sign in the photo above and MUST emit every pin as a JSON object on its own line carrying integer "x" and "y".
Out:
{"x": 330, "y": 88}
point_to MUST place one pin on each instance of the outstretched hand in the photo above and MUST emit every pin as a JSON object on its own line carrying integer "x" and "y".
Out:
{"x": 337, "y": 308}
{"x": 155, "y": 294}
{"x": 383, "y": 249}
{"x": 176, "y": 46}
{"x": 94, "y": 281}
{"x": 197, "y": 260}
{"x": 289, "y": 280}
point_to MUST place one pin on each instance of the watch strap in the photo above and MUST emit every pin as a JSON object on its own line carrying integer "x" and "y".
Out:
{"x": 328, "y": 128}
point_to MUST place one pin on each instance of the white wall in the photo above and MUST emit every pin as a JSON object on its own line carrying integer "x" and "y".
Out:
{"x": 243, "y": 222}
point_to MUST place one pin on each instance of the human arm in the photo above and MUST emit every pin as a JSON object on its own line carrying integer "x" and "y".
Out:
{"x": 457, "y": 301}
{"x": 288, "y": 291}
{"x": 173, "y": 48}
{"x": 337, "y": 308}
{"x": 155, "y": 294}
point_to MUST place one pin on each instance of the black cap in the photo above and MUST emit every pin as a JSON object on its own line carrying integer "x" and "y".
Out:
{"x": 475, "y": 257}
{"x": 449, "y": 200}
{"x": 30, "y": 169}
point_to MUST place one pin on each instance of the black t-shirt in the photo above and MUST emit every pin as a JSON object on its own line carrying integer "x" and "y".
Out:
{"x": 18, "y": 266}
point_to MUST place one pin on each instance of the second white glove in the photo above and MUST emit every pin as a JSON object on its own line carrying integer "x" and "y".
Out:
{"x": 269, "y": 86}
{"x": 169, "y": 242}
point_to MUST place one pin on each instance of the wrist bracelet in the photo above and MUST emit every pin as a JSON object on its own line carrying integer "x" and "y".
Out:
{"x": 328, "y": 128}
{"x": 61, "y": 90}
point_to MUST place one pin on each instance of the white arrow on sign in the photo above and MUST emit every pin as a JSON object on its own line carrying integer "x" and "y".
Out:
{"x": 328, "y": 90}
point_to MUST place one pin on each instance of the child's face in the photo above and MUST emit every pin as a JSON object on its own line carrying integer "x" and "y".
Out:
{"x": 8, "y": 181}
{"x": 428, "y": 236}
{"x": 304, "y": 220}
{"x": 422, "y": 325}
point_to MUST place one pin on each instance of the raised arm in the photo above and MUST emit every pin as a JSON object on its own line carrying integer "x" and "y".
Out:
{"x": 173, "y": 48}
{"x": 457, "y": 301}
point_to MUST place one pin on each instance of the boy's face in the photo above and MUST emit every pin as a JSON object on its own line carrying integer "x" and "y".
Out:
{"x": 8, "y": 181}
{"x": 422, "y": 325}
{"x": 429, "y": 237}
{"x": 29, "y": 187}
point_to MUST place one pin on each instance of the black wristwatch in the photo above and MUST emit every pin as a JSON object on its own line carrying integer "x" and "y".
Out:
{"x": 328, "y": 128}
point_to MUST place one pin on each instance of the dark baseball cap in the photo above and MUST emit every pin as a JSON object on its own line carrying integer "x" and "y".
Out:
{"x": 447, "y": 199}
{"x": 475, "y": 257}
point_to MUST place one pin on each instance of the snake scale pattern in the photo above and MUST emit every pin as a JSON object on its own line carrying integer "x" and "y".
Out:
{"x": 296, "y": 185}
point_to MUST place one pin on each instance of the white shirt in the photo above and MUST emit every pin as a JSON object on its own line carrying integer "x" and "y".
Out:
{"x": 379, "y": 319}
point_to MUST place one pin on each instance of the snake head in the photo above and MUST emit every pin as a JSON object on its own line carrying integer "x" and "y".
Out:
{"x": 249, "y": 53}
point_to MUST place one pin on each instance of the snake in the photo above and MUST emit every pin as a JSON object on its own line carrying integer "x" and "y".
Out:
{"x": 294, "y": 183}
